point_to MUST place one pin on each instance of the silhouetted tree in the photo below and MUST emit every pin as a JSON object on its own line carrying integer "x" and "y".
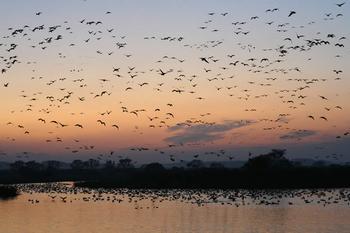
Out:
{"x": 125, "y": 164}
{"x": 272, "y": 160}
{"x": 53, "y": 165}
{"x": 194, "y": 164}
{"x": 92, "y": 163}
{"x": 77, "y": 164}
{"x": 33, "y": 166}
{"x": 17, "y": 165}
{"x": 110, "y": 164}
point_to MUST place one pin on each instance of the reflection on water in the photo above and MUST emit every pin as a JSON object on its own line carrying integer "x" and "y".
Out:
{"x": 42, "y": 210}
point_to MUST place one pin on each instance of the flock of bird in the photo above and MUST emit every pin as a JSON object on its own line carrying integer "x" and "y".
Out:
{"x": 146, "y": 199}
{"x": 261, "y": 73}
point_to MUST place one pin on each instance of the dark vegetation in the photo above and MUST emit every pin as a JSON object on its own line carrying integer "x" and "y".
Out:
{"x": 7, "y": 192}
{"x": 270, "y": 170}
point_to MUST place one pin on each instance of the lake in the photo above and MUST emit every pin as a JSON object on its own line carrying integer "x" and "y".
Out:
{"x": 43, "y": 208}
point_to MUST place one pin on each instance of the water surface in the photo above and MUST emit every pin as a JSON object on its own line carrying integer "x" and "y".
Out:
{"x": 42, "y": 210}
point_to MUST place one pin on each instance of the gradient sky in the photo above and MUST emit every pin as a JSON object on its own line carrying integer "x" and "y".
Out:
{"x": 252, "y": 107}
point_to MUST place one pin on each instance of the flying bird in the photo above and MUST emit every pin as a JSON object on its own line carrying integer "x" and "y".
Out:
{"x": 115, "y": 126}
{"x": 340, "y": 4}
{"x": 101, "y": 122}
{"x": 291, "y": 13}
{"x": 204, "y": 59}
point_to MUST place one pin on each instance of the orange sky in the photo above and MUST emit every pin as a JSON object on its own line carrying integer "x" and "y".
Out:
{"x": 277, "y": 98}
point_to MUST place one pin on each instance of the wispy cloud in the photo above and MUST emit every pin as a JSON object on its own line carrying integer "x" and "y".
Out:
{"x": 298, "y": 134}
{"x": 283, "y": 119}
{"x": 185, "y": 133}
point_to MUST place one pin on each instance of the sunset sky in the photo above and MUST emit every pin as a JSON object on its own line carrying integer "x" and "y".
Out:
{"x": 175, "y": 78}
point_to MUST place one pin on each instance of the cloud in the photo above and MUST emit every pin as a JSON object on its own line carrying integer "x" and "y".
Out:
{"x": 283, "y": 119}
{"x": 298, "y": 134}
{"x": 186, "y": 133}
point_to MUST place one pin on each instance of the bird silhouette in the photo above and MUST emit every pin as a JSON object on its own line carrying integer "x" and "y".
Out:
{"x": 101, "y": 122}
{"x": 291, "y": 13}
